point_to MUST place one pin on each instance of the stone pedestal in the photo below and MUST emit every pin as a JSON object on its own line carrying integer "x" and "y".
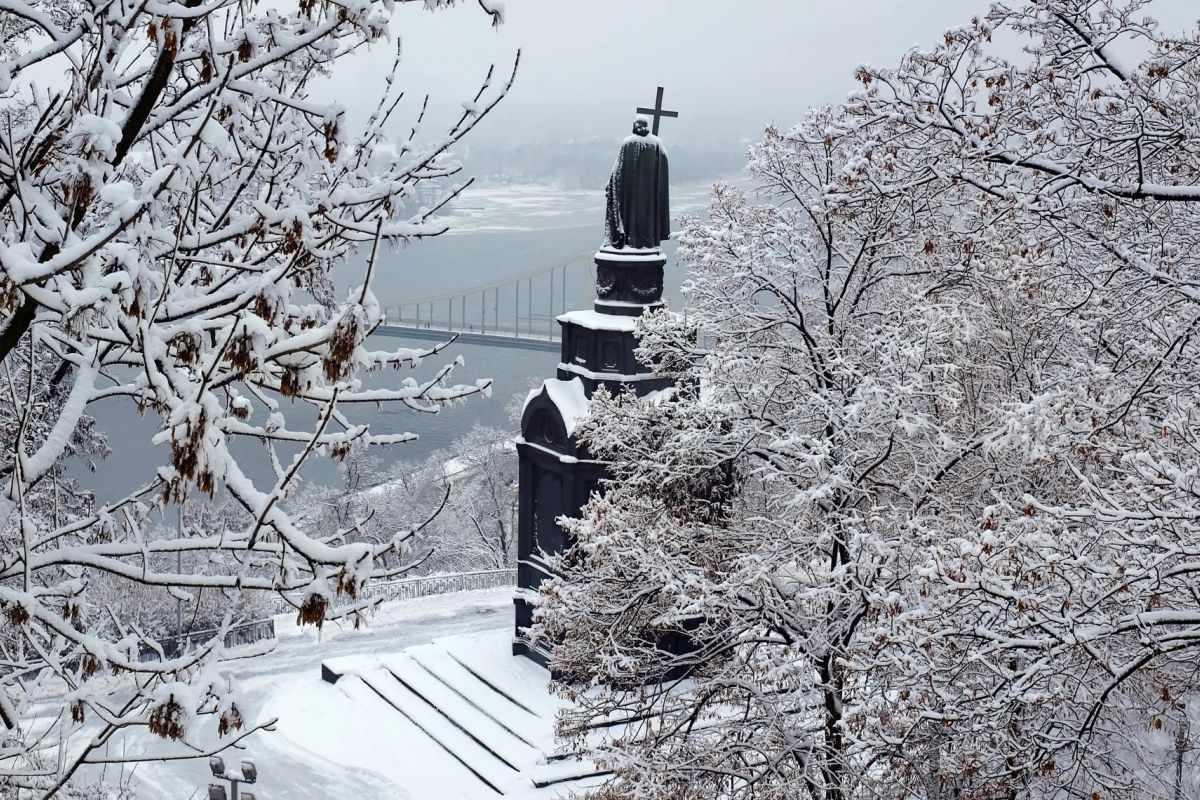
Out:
{"x": 557, "y": 476}
{"x": 628, "y": 282}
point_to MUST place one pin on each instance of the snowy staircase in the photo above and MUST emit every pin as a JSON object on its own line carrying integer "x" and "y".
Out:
{"x": 493, "y": 716}
{"x": 465, "y": 748}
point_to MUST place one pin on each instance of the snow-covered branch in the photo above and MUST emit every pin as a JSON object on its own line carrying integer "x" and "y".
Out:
{"x": 171, "y": 212}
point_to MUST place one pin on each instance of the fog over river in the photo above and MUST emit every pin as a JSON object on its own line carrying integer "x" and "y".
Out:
{"x": 497, "y": 233}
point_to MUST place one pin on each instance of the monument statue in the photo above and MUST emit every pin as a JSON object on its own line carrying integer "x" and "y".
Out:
{"x": 638, "y": 210}
{"x": 599, "y": 348}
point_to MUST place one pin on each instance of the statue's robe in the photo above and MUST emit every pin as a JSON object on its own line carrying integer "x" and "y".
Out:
{"x": 638, "y": 212}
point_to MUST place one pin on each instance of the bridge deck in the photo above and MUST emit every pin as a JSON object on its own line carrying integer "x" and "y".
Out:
{"x": 500, "y": 338}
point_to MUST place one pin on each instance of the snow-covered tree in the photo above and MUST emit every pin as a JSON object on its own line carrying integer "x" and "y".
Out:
{"x": 459, "y": 503}
{"x": 475, "y": 530}
{"x": 945, "y": 544}
{"x": 1072, "y": 604}
{"x": 172, "y": 202}
{"x": 770, "y": 516}
{"x": 164, "y": 615}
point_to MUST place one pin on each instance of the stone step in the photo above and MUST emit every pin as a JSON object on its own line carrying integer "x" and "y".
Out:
{"x": 363, "y": 695}
{"x": 485, "y": 765}
{"x": 566, "y": 771}
{"x": 518, "y": 679}
{"x": 476, "y": 713}
{"x": 485, "y": 730}
{"x": 510, "y": 714}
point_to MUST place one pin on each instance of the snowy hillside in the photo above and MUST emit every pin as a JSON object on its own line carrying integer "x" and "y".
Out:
{"x": 342, "y": 741}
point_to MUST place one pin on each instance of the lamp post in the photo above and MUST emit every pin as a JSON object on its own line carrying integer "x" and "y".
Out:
{"x": 1183, "y": 735}
{"x": 178, "y": 600}
{"x": 245, "y": 772}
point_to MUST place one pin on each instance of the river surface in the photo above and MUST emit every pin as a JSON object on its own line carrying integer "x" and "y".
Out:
{"x": 496, "y": 234}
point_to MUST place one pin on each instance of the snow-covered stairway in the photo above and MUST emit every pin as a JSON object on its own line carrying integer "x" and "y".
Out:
{"x": 492, "y": 714}
{"x": 488, "y": 730}
{"x": 458, "y": 743}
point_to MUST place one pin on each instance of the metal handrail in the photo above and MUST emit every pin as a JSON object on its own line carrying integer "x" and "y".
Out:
{"x": 245, "y": 633}
{"x": 427, "y": 585}
{"x": 404, "y": 589}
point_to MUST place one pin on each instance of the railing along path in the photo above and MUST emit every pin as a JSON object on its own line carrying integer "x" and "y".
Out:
{"x": 405, "y": 589}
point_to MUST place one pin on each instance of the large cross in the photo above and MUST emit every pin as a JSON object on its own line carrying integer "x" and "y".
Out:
{"x": 657, "y": 111}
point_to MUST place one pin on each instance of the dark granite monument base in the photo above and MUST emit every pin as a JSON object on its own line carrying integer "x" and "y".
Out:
{"x": 556, "y": 475}
{"x": 629, "y": 279}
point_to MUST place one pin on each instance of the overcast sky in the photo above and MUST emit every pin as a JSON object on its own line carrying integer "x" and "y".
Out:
{"x": 729, "y": 66}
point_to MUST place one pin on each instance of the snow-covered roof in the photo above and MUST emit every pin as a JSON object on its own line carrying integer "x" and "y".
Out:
{"x": 567, "y": 396}
{"x": 595, "y": 321}
{"x": 570, "y": 400}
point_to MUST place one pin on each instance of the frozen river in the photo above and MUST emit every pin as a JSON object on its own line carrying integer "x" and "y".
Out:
{"x": 496, "y": 233}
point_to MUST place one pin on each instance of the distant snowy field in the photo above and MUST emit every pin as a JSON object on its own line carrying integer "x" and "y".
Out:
{"x": 534, "y": 207}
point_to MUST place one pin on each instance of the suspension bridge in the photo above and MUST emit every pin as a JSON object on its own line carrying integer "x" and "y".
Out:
{"x": 517, "y": 311}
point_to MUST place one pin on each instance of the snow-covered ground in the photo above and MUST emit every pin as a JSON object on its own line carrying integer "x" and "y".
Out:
{"x": 324, "y": 747}
{"x": 457, "y": 718}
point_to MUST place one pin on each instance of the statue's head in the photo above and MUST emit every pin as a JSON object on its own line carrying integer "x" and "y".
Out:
{"x": 641, "y": 126}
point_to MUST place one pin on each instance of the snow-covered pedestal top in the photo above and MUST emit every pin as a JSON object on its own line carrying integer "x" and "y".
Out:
{"x": 630, "y": 254}
{"x": 595, "y": 321}
{"x": 568, "y": 397}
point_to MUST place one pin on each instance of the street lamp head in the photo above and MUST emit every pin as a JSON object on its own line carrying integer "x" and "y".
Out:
{"x": 217, "y": 792}
{"x": 217, "y": 765}
{"x": 249, "y": 772}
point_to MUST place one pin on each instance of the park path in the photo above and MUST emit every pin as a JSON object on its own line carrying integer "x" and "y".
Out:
{"x": 286, "y": 770}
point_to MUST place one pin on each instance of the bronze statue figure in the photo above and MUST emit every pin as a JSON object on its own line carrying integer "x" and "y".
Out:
{"x": 638, "y": 209}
